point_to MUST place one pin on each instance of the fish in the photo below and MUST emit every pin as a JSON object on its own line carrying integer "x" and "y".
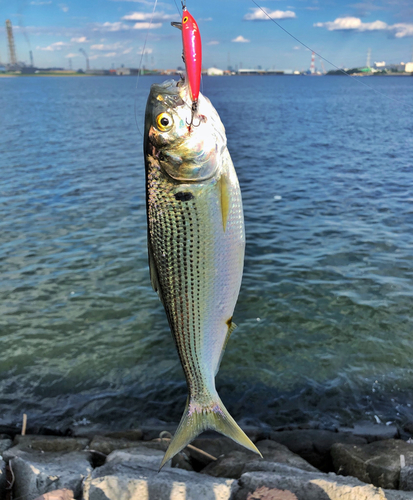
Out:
{"x": 192, "y": 55}
{"x": 196, "y": 245}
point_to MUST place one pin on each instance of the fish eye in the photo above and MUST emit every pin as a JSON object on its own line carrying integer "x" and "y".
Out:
{"x": 185, "y": 19}
{"x": 164, "y": 122}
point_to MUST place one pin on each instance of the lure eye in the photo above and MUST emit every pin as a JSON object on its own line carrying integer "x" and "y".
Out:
{"x": 164, "y": 122}
{"x": 185, "y": 19}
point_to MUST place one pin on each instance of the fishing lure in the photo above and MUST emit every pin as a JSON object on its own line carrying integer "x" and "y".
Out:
{"x": 192, "y": 55}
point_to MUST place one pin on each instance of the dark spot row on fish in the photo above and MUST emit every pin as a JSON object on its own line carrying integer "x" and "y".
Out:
{"x": 184, "y": 196}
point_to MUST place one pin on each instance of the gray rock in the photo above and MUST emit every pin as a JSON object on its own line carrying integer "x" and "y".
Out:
{"x": 106, "y": 445}
{"x": 377, "y": 463}
{"x": 128, "y": 481}
{"x": 234, "y": 463}
{"x": 55, "y": 444}
{"x": 57, "y": 495}
{"x": 3, "y": 481}
{"x": 314, "y": 486}
{"x": 130, "y": 435}
{"x": 141, "y": 456}
{"x": 406, "y": 478}
{"x": 371, "y": 432}
{"x": 150, "y": 451}
{"x": 5, "y": 444}
{"x": 314, "y": 445}
{"x": 215, "y": 446}
{"x": 38, "y": 473}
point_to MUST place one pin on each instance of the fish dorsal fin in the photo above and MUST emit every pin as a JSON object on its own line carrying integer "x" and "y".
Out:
{"x": 225, "y": 196}
{"x": 231, "y": 328}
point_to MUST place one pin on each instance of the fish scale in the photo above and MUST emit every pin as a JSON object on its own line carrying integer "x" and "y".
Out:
{"x": 196, "y": 247}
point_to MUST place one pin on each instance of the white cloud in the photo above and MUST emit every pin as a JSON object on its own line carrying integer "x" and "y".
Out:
{"x": 148, "y": 16}
{"x": 296, "y": 47}
{"x": 259, "y": 15}
{"x": 147, "y": 50}
{"x": 80, "y": 39}
{"x": 64, "y": 7}
{"x": 399, "y": 30}
{"x": 126, "y": 51}
{"x": 101, "y": 46}
{"x": 116, "y": 26}
{"x": 54, "y": 46}
{"x": 72, "y": 54}
{"x": 41, "y": 3}
{"x": 146, "y": 26}
{"x": 110, "y": 54}
{"x": 240, "y": 39}
{"x": 402, "y": 29}
{"x": 213, "y": 42}
{"x": 205, "y": 19}
{"x": 352, "y": 23}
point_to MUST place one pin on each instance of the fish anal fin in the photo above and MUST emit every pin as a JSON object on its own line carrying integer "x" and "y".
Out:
{"x": 231, "y": 328}
{"x": 198, "y": 418}
{"x": 225, "y": 196}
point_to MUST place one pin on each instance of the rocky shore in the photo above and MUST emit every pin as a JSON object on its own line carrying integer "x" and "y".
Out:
{"x": 366, "y": 462}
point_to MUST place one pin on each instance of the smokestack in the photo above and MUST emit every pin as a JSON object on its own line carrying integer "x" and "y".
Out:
{"x": 12, "y": 48}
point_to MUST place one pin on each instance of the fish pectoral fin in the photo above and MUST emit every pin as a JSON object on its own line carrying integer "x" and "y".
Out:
{"x": 225, "y": 197}
{"x": 198, "y": 418}
{"x": 176, "y": 25}
{"x": 231, "y": 328}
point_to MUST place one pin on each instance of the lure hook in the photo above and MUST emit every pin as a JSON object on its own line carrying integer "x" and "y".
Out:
{"x": 194, "y": 109}
{"x": 183, "y": 3}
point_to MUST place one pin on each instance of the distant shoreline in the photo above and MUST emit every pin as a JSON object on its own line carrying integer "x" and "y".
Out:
{"x": 7, "y": 75}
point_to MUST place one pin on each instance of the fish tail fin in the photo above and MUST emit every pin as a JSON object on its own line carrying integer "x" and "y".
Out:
{"x": 198, "y": 418}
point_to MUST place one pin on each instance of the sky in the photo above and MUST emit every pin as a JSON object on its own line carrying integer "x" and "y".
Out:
{"x": 234, "y": 32}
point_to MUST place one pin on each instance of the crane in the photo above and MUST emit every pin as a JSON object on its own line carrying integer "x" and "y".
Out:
{"x": 87, "y": 59}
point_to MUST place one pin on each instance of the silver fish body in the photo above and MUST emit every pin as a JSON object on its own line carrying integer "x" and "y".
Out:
{"x": 196, "y": 244}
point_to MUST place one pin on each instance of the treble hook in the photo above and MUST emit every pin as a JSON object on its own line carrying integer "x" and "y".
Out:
{"x": 194, "y": 109}
{"x": 183, "y": 3}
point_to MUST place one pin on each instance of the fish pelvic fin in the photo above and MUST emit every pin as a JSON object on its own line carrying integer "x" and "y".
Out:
{"x": 198, "y": 418}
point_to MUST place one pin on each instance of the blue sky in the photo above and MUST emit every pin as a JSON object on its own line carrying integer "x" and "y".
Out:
{"x": 233, "y": 32}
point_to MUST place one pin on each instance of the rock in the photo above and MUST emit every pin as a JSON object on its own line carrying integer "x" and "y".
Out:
{"x": 3, "y": 479}
{"x": 314, "y": 445}
{"x": 313, "y": 486}
{"x": 57, "y": 495}
{"x": 215, "y": 446}
{"x": 38, "y": 473}
{"x": 155, "y": 450}
{"x": 130, "y": 435}
{"x": 377, "y": 463}
{"x": 106, "y": 445}
{"x": 371, "y": 432}
{"x": 142, "y": 456}
{"x": 5, "y": 444}
{"x": 153, "y": 431}
{"x": 46, "y": 444}
{"x": 129, "y": 481}
{"x": 234, "y": 463}
{"x": 406, "y": 478}
{"x": 230, "y": 465}
{"x": 265, "y": 493}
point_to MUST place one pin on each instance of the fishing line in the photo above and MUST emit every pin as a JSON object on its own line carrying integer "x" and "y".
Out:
{"x": 140, "y": 64}
{"x": 332, "y": 64}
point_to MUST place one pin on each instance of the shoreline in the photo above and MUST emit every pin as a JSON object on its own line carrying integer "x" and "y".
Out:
{"x": 361, "y": 460}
